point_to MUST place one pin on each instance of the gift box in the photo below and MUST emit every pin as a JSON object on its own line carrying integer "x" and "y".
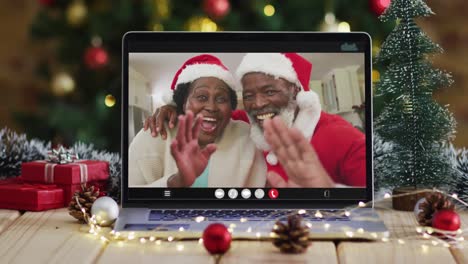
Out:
{"x": 68, "y": 176}
{"x": 80, "y": 171}
{"x": 19, "y": 195}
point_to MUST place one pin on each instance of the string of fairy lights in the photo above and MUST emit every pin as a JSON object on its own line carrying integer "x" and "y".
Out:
{"x": 428, "y": 236}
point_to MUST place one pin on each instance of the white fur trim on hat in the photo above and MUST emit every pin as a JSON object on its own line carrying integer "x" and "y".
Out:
{"x": 274, "y": 64}
{"x": 195, "y": 71}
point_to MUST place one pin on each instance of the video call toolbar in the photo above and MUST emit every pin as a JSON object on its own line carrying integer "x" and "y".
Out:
{"x": 248, "y": 194}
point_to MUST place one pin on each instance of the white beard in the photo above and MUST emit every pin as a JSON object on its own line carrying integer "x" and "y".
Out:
{"x": 256, "y": 132}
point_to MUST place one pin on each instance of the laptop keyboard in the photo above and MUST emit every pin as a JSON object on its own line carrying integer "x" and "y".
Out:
{"x": 250, "y": 215}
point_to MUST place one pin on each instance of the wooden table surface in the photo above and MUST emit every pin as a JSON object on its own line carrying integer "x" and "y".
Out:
{"x": 54, "y": 237}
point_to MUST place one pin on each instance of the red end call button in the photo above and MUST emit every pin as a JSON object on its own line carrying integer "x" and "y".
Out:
{"x": 273, "y": 193}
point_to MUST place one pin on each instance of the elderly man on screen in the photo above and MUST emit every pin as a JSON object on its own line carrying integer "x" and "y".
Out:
{"x": 276, "y": 86}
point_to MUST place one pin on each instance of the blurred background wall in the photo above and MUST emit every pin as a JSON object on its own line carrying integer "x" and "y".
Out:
{"x": 17, "y": 60}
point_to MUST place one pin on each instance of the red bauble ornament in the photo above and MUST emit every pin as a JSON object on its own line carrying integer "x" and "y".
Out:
{"x": 447, "y": 220}
{"x": 46, "y": 2}
{"x": 96, "y": 57}
{"x": 216, "y": 239}
{"x": 379, "y": 6}
{"x": 216, "y": 9}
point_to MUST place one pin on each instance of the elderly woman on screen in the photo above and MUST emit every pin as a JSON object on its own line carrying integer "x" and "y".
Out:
{"x": 207, "y": 148}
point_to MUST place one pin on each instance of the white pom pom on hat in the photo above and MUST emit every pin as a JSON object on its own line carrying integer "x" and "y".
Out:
{"x": 307, "y": 99}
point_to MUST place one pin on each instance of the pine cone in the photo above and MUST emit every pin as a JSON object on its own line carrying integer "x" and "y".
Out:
{"x": 292, "y": 237}
{"x": 434, "y": 202}
{"x": 85, "y": 198}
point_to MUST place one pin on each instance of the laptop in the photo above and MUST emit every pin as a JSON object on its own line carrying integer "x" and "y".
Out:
{"x": 341, "y": 79}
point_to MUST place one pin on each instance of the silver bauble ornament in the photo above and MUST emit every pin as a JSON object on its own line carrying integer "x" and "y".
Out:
{"x": 416, "y": 207}
{"x": 105, "y": 210}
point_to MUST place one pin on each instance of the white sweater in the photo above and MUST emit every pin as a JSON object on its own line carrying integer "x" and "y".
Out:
{"x": 235, "y": 163}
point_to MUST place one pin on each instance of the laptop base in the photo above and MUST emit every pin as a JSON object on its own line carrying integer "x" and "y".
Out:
{"x": 362, "y": 224}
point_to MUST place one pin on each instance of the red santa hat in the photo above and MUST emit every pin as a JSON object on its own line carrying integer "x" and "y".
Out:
{"x": 289, "y": 66}
{"x": 204, "y": 65}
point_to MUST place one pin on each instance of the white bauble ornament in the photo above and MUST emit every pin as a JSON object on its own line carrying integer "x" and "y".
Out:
{"x": 105, "y": 210}
{"x": 416, "y": 207}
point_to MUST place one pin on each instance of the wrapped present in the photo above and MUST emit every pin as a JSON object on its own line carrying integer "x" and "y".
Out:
{"x": 76, "y": 172}
{"x": 64, "y": 169}
{"x": 19, "y": 195}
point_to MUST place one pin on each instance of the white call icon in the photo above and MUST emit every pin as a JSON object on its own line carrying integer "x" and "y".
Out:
{"x": 233, "y": 193}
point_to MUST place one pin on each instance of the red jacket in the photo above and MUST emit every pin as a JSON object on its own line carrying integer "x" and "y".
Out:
{"x": 340, "y": 147}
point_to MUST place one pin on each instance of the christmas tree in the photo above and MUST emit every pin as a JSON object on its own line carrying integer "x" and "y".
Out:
{"x": 82, "y": 63}
{"x": 81, "y": 43}
{"x": 411, "y": 120}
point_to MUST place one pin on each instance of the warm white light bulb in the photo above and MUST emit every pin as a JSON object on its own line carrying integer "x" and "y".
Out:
{"x": 344, "y": 27}
{"x": 180, "y": 247}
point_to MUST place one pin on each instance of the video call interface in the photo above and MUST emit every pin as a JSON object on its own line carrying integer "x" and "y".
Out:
{"x": 216, "y": 148}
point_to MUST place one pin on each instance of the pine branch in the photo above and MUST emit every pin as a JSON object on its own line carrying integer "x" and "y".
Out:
{"x": 459, "y": 160}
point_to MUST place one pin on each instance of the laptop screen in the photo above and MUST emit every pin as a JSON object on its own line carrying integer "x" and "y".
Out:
{"x": 219, "y": 94}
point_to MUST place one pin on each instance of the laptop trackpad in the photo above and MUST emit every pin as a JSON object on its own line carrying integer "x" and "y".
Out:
{"x": 155, "y": 227}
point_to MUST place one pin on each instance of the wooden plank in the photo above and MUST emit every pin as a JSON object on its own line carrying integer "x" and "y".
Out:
{"x": 6, "y": 218}
{"x": 55, "y": 237}
{"x": 166, "y": 252}
{"x": 265, "y": 252}
{"x": 48, "y": 237}
{"x": 402, "y": 225}
{"x": 193, "y": 252}
{"x": 392, "y": 252}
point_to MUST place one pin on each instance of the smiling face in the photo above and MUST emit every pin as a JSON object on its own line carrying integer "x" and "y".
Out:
{"x": 265, "y": 96}
{"x": 210, "y": 97}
